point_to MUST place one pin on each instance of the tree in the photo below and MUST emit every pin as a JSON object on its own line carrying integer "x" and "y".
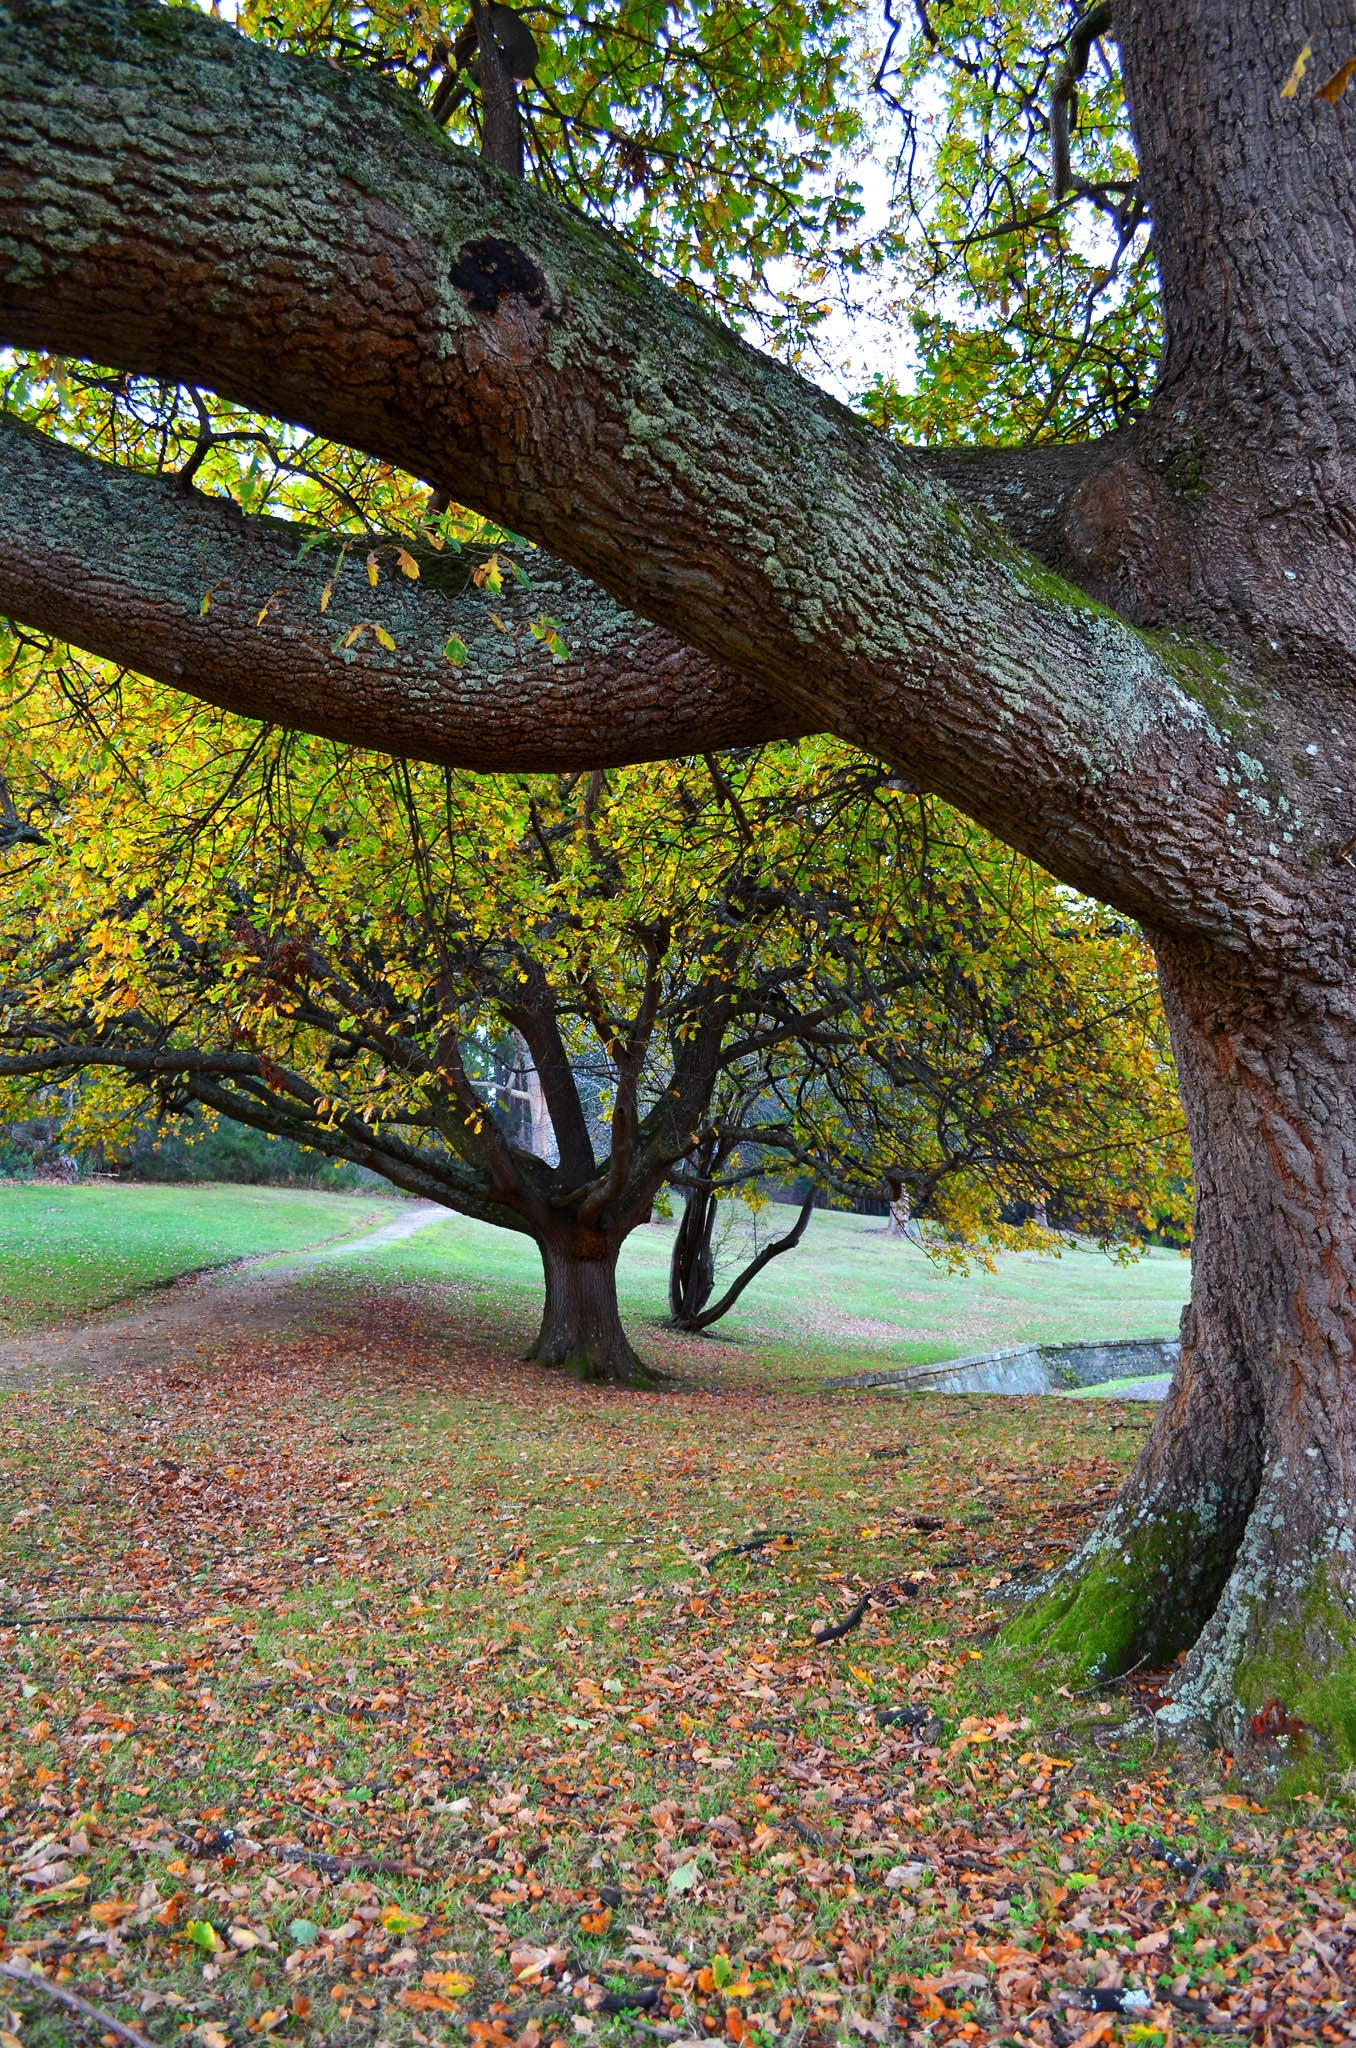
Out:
{"x": 1130, "y": 656}
{"x": 365, "y": 956}
{"x": 1015, "y": 1070}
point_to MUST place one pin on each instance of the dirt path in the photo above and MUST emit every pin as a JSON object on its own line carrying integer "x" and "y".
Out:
{"x": 249, "y": 1300}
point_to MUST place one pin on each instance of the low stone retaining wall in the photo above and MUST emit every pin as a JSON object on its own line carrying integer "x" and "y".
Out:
{"x": 1029, "y": 1368}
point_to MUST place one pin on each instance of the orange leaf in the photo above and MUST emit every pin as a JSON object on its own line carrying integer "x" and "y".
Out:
{"x": 108, "y": 1912}
{"x": 1333, "y": 88}
{"x": 424, "y": 2001}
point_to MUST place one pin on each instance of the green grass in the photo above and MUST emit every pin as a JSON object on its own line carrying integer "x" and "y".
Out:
{"x": 455, "y": 1651}
{"x": 392, "y": 1597}
{"x": 65, "y": 1251}
{"x": 847, "y": 1297}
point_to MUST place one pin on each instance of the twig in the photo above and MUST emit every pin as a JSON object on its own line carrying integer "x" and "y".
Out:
{"x": 35, "y": 1981}
{"x": 852, "y": 1619}
{"x": 856, "y": 1615}
{"x": 643, "y": 1999}
{"x": 808, "y": 1832}
{"x": 346, "y": 1866}
{"x": 1105, "y": 1684}
{"x": 758, "y": 1541}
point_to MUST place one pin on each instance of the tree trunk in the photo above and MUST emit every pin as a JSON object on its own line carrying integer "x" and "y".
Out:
{"x": 900, "y": 1221}
{"x": 1234, "y": 1540}
{"x": 581, "y": 1327}
{"x": 692, "y": 1269}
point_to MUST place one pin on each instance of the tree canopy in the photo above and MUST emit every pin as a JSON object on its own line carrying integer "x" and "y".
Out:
{"x": 782, "y": 952}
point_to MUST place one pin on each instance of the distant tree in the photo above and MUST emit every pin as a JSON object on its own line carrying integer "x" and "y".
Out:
{"x": 376, "y": 960}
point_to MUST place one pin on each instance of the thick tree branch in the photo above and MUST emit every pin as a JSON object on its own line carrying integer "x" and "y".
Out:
{"x": 232, "y": 1085}
{"x": 177, "y": 200}
{"x": 188, "y": 590}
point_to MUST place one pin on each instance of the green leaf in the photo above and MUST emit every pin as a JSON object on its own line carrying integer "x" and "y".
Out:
{"x": 203, "y": 1935}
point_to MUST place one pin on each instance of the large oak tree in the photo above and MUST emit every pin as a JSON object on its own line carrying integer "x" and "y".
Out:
{"x": 1132, "y": 658}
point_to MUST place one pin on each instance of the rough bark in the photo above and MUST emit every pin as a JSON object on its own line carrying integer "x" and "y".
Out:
{"x": 581, "y": 1327}
{"x": 1172, "y": 731}
{"x": 1235, "y": 1539}
{"x": 358, "y": 274}
{"x": 501, "y": 122}
{"x": 188, "y": 590}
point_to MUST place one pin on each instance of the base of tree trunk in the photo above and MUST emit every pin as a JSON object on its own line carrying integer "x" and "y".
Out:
{"x": 1267, "y": 1667}
{"x": 1233, "y": 1545}
{"x": 581, "y": 1327}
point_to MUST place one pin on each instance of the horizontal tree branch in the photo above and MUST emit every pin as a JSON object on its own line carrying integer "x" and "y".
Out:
{"x": 187, "y": 589}
{"x": 178, "y": 200}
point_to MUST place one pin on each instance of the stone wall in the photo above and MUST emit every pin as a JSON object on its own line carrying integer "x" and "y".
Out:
{"x": 1029, "y": 1368}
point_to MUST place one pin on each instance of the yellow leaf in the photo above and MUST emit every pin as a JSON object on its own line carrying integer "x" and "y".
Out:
{"x": 60, "y": 1891}
{"x": 1297, "y": 71}
{"x": 408, "y": 565}
{"x": 384, "y": 637}
{"x": 447, "y": 1983}
{"x": 422, "y": 2001}
{"x": 372, "y": 570}
{"x": 397, "y": 1921}
{"x": 326, "y": 594}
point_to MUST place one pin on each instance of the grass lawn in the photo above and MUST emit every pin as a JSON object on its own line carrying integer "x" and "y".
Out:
{"x": 369, "y": 1687}
{"x": 847, "y": 1297}
{"x": 67, "y": 1250}
{"x": 362, "y": 1686}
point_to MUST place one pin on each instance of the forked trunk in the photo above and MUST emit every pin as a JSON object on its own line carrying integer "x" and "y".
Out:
{"x": 692, "y": 1269}
{"x": 1234, "y": 1540}
{"x": 581, "y": 1327}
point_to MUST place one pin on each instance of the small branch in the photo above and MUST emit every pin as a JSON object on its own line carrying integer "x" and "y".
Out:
{"x": 347, "y": 1866}
{"x": 856, "y": 1615}
{"x": 16, "y": 1620}
{"x": 33, "y": 1980}
{"x": 852, "y": 1619}
{"x": 1094, "y": 23}
{"x": 1106, "y": 1684}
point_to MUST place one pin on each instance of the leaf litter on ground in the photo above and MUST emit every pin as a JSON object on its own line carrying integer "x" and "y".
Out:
{"x": 445, "y": 1729}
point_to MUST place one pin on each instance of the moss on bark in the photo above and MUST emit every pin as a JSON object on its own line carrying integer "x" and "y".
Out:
{"x": 1132, "y": 1597}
